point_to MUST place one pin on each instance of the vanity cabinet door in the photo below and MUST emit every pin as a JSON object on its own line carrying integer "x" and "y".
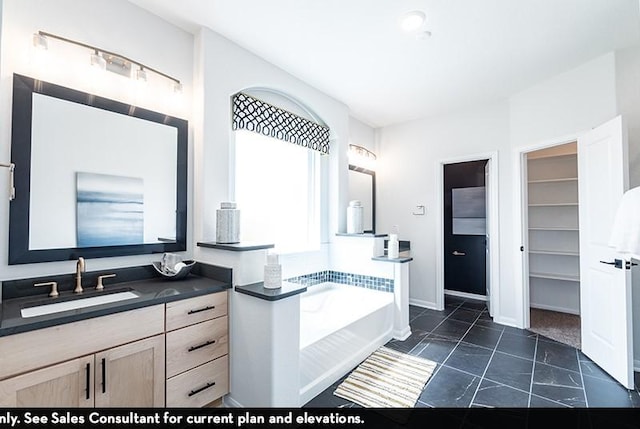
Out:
{"x": 65, "y": 385}
{"x": 131, "y": 375}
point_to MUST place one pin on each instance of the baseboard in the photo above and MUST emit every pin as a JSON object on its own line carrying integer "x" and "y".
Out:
{"x": 507, "y": 321}
{"x": 465, "y": 295}
{"x": 402, "y": 335}
{"x": 423, "y": 304}
{"x": 555, "y": 308}
{"x": 229, "y": 402}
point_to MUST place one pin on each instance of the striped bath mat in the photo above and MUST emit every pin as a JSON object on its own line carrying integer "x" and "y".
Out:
{"x": 387, "y": 379}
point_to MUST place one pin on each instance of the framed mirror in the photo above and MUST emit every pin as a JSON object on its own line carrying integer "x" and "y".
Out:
{"x": 362, "y": 186}
{"x": 94, "y": 177}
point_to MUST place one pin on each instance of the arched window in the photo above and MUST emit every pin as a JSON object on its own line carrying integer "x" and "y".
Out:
{"x": 277, "y": 174}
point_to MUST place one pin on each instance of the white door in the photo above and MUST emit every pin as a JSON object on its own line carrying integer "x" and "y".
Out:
{"x": 605, "y": 286}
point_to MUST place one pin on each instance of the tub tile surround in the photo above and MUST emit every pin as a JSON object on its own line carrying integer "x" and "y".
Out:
{"x": 369, "y": 282}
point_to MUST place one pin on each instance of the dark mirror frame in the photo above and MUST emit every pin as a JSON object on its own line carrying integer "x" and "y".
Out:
{"x": 373, "y": 195}
{"x": 19, "y": 253}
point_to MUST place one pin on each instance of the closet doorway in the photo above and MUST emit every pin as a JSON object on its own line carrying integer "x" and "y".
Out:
{"x": 553, "y": 249}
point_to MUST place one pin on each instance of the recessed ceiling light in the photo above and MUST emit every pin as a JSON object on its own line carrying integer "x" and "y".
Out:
{"x": 411, "y": 21}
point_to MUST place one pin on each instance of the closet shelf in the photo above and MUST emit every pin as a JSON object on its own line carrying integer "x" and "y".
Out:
{"x": 553, "y": 204}
{"x": 554, "y": 252}
{"x": 563, "y": 179}
{"x": 555, "y": 276}
{"x": 561, "y": 155}
{"x": 552, "y": 228}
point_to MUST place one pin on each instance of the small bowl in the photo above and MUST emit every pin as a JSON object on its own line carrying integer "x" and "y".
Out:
{"x": 184, "y": 271}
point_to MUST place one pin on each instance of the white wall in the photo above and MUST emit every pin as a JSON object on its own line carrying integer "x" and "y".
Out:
{"x": 564, "y": 105}
{"x": 222, "y": 69}
{"x": 408, "y": 165}
{"x": 361, "y": 134}
{"x": 628, "y": 103}
{"x": 114, "y": 25}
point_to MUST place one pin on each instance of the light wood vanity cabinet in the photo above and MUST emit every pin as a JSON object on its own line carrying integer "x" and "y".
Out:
{"x": 63, "y": 385}
{"x": 125, "y": 376}
{"x": 172, "y": 354}
{"x": 131, "y": 375}
{"x": 197, "y": 348}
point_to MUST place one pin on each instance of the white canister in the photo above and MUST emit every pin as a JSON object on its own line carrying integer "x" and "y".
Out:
{"x": 272, "y": 272}
{"x": 228, "y": 223}
{"x": 355, "y": 217}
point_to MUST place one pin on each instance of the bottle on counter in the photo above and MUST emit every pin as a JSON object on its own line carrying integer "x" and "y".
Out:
{"x": 272, "y": 272}
{"x": 355, "y": 217}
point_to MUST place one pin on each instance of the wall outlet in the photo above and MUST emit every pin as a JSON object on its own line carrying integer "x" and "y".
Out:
{"x": 420, "y": 210}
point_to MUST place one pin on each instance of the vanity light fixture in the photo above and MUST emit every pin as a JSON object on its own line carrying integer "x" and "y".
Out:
{"x": 362, "y": 157}
{"x": 40, "y": 41}
{"x": 141, "y": 74}
{"x": 106, "y": 60}
{"x": 12, "y": 189}
{"x": 98, "y": 61}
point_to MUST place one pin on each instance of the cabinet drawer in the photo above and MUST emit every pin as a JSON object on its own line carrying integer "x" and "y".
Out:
{"x": 194, "y": 310}
{"x": 194, "y": 345}
{"x": 199, "y": 386}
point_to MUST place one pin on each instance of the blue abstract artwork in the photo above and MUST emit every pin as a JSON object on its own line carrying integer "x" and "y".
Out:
{"x": 110, "y": 210}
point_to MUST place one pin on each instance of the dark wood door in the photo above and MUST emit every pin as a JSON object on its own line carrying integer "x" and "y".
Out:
{"x": 465, "y": 227}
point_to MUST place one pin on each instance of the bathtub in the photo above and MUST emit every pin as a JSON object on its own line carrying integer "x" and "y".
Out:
{"x": 340, "y": 325}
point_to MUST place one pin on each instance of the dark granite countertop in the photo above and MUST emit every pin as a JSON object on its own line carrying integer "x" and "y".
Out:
{"x": 152, "y": 290}
{"x": 259, "y": 291}
{"x": 236, "y": 247}
{"x": 400, "y": 260}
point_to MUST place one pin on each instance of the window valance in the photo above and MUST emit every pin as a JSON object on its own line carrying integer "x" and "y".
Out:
{"x": 255, "y": 115}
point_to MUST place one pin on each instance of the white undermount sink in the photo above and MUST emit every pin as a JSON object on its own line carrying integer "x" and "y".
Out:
{"x": 56, "y": 307}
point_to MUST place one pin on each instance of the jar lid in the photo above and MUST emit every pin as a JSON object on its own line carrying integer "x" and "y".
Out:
{"x": 227, "y": 205}
{"x": 355, "y": 203}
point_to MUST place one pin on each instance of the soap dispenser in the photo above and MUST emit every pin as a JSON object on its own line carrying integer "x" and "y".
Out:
{"x": 393, "y": 248}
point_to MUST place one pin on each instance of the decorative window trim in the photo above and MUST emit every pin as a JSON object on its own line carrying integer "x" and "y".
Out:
{"x": 252, "y": 114}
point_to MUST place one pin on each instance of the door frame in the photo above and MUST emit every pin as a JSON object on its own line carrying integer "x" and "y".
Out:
{"x": 521, "y": 221}
{"x": 493, "y": 227}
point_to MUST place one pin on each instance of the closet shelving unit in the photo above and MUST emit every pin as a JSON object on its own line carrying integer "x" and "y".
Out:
{"x": 554, "y": 259}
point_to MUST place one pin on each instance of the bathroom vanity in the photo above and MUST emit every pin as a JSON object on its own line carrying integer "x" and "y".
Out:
{"x": 166, "y": 347}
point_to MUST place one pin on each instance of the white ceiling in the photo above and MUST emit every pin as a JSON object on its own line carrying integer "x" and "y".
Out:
{"x": 355, "y": 51}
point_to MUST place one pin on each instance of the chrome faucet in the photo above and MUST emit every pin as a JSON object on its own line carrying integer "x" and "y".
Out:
{"x": 79, "y": 271}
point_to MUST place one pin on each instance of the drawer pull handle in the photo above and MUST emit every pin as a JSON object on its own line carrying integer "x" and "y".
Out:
{"x": 208, "y": 385}
{"x": 209, "y": 307}
{"x": 88, "y": 379}
{"x": 208, "y": 343}
{"x": 104, "y": 375}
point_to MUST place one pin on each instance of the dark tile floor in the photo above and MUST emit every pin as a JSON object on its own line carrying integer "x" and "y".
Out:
{"x": 484, "y": 364}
